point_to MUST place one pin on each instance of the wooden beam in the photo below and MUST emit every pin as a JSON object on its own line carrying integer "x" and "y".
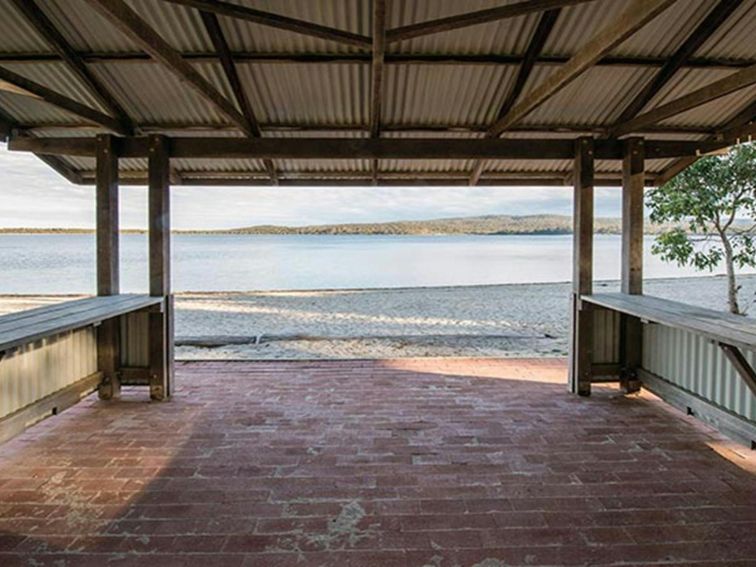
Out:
{"x": 742, "y": 127}
{"x": 741, "y": 365}
{"x": 108, "y": 273}
{"x": 159, "y": 222}
{"x": 637, "y": 15}
{"x": 118, "y": 13}
{"x": 581, "y": 353}
{"x": 631, "y": 273}
{"x": 107, "y": 216}
{"x": 729, "y": 423}
{"x": 363, "y": 148}
{"x": 537, "y": 42}
{"x": 710, "y": 92}
{"x": 710, "y": 24}
{"x": 63, "y": 102}
{"x": 47, "y": 30}
{"x": 633, "y": 175}
{"x": 376, "y": 84}
{"x": 365, "y": 58}
{"x": 213, "y": 29}
{"x": 476, "y": 18}
{"x": 276, "y": 21}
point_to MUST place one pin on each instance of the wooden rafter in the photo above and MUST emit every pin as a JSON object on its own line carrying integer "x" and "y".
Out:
{"x": 376, "y": 97}
{"x": 475, "y": 18}
{"x": 21, "y": 85}
{"x": 637, "y": 15}
{"x": 118, "y": 13}
{"x": 711, "y": 23}
{"x": 742, "y": 127}
{"x": 365, "y": 58}
{"x": 535, "y": 47}
{"x": 712, "y": 91}
{"x": 47, "y": 30}
{"x": 213, "y": 28}
{"x": 276, "y": 21}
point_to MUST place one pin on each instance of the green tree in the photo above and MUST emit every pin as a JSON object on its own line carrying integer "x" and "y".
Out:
{"x": 712, "y": 205}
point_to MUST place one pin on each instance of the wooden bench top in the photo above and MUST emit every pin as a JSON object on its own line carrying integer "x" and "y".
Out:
{"x": 24, "y": 327}
{"x": 716, "y": 325}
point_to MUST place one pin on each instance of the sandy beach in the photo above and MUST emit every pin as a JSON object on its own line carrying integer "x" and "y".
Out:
{"x": 490, "y": 321}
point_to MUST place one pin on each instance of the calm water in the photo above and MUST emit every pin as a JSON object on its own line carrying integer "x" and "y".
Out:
{"x": 66, "y": 263}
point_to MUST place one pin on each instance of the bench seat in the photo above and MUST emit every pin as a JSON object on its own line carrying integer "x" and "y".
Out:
{"x": 25, "y": 327}
{"x": 718, "y": 326}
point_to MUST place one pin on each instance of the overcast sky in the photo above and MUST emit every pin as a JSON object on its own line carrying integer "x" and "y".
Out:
{"x": 34, "y": 195}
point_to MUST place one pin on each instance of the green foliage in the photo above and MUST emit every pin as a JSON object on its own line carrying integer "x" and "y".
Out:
{"x": 713, "y": 198}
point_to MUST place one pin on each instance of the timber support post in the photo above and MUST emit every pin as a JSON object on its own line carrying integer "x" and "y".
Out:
{"x": 160, "y": 320}
{"x": 631, "y": 337}
{"x": 581, "y": 342}
{"x": 108, "y": 272}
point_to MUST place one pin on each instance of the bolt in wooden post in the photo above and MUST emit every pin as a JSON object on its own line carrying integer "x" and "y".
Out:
{"x": 108, "y": 333}
{"x": 581, "y": 344}
{"x": 633, "y": 180}
{"x": 160, "y": 321}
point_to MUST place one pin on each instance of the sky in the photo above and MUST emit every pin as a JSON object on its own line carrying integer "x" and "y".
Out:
{"x": 33, "y": 195}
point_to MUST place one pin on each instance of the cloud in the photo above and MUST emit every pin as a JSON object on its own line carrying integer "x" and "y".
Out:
{"x": 33, "y": 195}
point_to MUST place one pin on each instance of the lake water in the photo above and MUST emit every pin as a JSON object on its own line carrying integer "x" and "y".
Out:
{"x": 66, "y": 263}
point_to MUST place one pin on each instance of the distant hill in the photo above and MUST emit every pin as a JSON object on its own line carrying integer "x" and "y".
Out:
{"x": 481, "y": 225}
{"x": 488, "y": 224}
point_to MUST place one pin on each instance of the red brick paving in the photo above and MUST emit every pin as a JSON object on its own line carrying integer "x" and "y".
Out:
{"x": 436, "y": 463}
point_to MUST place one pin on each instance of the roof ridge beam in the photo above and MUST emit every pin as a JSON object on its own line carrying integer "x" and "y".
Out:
{"x": 708, "y": 93}
{"x": 710, "y": 24}
{"x": 276, "y": 21}
{"x": 637, "y": 15}
{"x": 535, "y": 47}
{"x": 120, "y": 15}
{"x": 489, "y": 15}
{"x": 47, "y": 30}
{"x": 17, "y": 84}
{"x": 213, "y": 29}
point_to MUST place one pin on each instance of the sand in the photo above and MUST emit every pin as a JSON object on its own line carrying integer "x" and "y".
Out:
{"x": 490, "y": 321}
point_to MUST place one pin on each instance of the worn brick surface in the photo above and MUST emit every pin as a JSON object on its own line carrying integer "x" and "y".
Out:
{"x": 436, "y": 463}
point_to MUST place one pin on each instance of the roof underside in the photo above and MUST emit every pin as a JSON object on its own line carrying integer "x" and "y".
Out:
{"x": 449, "y": 84}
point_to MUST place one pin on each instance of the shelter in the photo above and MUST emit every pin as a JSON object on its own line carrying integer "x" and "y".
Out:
{"x": 530, "y": 92}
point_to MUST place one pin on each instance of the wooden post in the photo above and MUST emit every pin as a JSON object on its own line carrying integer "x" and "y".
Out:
{"x": 633, "y": 178}
{"x": 108, "y": 333}
{"x": 160, "y": 321}
{"x": 582, "y": 279}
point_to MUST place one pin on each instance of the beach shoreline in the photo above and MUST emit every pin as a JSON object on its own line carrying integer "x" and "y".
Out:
{"x": 506, "y": 320}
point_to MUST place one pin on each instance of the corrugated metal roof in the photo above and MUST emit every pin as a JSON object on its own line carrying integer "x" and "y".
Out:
{"x": 321, "y": 95}
{"x": 459, "y": 95}
{"x": 309, "y": 94}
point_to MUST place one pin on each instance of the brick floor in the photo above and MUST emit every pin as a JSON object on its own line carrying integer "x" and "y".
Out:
{"x": 434, "y": 463}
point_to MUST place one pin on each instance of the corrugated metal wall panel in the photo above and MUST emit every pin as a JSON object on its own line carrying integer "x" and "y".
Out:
{"x": 606, "y": 334}
{"x": 44, "y": 367}
{"x": 695, "y": 364}
{"x": 135, "y": 348}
